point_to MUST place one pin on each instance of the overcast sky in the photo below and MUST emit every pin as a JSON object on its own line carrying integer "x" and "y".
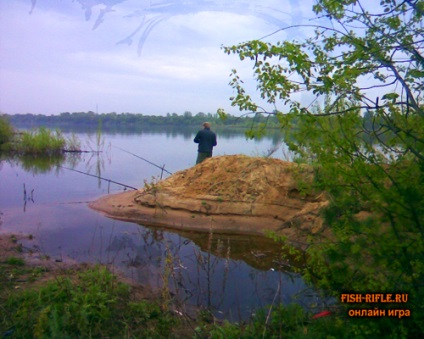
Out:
{"x": 144, "y": 56}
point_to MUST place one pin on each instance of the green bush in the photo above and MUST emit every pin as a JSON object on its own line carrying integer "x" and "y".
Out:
{"x": 6, "y": 131}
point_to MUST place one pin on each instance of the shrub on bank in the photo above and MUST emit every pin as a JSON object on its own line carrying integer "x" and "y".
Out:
{"x": 6, "y": 132}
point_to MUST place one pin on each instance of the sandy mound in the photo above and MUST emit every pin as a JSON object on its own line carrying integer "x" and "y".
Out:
{"x": 228, "y": 194}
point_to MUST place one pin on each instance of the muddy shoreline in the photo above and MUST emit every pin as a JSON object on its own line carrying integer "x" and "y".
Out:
{"x": 122, "y": 206}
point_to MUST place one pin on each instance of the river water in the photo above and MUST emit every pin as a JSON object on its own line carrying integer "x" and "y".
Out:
{"x": 230, "y": 275}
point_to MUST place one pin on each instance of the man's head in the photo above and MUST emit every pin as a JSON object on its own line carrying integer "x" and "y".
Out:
{"x": 206, "y": 125}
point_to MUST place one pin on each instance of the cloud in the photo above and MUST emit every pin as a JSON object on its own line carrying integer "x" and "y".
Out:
{"x": 53, "y": 61}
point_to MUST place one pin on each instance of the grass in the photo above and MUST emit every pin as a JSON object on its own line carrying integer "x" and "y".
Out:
{"x": 13, "y": 261}
{"x": 289, "y": 321}
{"x": 41, "y": 141}
{"x": 89, "y": 303}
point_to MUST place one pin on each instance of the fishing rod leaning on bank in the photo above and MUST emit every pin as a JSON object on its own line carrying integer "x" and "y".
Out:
{"x": 162, "y": 168}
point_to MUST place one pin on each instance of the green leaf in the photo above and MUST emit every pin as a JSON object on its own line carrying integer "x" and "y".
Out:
{"x": 390, "y": 96}
{"x": 222, "y": 114}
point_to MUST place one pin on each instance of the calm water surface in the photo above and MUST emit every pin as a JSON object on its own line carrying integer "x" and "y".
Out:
{"x": 230, "y": 275}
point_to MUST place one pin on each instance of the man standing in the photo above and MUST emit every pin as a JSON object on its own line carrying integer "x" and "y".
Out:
{"x": 206, "y": 140}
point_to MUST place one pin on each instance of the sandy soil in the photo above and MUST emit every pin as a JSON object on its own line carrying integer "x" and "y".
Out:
{"x": 227, "y": 194}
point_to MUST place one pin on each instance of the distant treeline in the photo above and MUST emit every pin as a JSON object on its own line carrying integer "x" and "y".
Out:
{"x": 137, "y": 122}
{"x": 134, "y": 121}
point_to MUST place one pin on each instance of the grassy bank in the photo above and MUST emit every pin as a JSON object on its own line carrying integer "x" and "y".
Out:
{"x": 45, "y": 299}
{"x": 41, "y": 141}
{"x": 48, "y": 300}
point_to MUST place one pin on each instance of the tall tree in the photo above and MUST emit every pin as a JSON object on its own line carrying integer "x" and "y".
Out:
{"x": 368, "y": 60}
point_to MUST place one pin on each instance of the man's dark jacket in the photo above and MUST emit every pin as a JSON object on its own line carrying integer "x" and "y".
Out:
{"x": 206, "y": 140}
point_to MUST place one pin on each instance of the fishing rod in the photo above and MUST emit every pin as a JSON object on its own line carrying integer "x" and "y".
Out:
{"x": 151, "y": 163}
{"x": 98, "y": 177}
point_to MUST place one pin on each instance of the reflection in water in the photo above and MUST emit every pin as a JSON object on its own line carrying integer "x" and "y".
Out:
{"x": 40, "y": 164}
{"x": 227, "y": 274}
{"x": 43, "y": 164}
{"x": 258, "y": 252}
{"x": 96, "y": 160}
{"x": 218, "y": 278}
{"x": 28, "y": 197}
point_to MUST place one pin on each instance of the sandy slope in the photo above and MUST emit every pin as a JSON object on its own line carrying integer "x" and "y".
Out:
{"x": 232, "y": 194}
